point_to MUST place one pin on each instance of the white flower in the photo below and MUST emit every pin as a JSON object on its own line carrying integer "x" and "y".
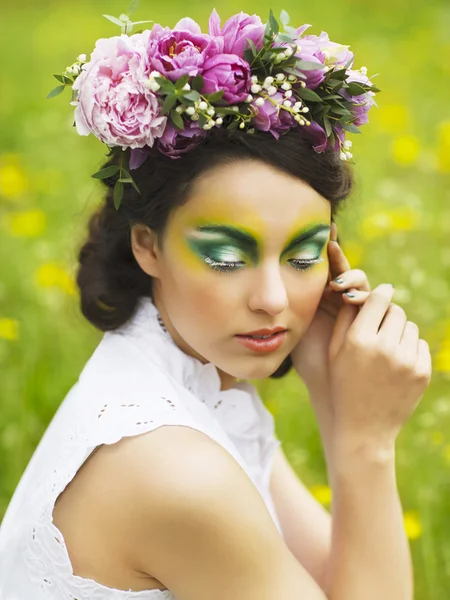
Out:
{"x": 210, "y": 111}
{"x": 249, "y": 98}
{"x": 154, "y": 74}
{"x": 259, "y": 101}
{"x": 272, "y": 90}
{"x": 292, "y": 77}
{"x": 268, "y": 80}
{"x": 305, "y": 109}
{"x": 219, "y": 121}
{"x": 363, "y": 70}
{"x": 186, "y": 87}
{"x": 343, "y": 156}
{"x": 286, "y": 86}
{"x": 288, "y": 94}
{"x": 298, "y": 104}
{"x": 179, "y": 109}
{"x": 289, "y": 52}
{"x": 203, "y": 105}
{"x": 281, "y": 56}
{"x": 280, "y": 77}
{"x": 349, "y": 154}
{"x": 152, "y": 85}
{"x": 206, "y": 126}
{"x": 256, "y": 88}
{"x": 190, "y": 110}
{"x": 254, "y": 79}
{"x": 82, "y": 58}
{"x": 287, "y": 103}
{"x": 348, "y": 144}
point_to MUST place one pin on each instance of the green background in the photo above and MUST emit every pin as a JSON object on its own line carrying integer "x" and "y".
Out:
{"x": 396, "y": 227}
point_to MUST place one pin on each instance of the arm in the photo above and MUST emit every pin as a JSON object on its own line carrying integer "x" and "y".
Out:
{"x": 366, "y": 513}
{"x": 369, "y": 545}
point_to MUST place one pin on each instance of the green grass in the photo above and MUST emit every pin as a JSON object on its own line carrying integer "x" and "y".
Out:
{"x": 396, "y": 227}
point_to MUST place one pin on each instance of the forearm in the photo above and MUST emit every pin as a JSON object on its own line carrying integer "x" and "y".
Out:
{"x": 369, "y": 555}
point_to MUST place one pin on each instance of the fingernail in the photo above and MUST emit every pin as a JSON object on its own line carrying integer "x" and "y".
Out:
{"x": 339, "y": 280}
{"x": 350, "y": 295}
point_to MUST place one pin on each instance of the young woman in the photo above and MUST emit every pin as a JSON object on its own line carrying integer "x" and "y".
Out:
{"x": 161, "y": 476}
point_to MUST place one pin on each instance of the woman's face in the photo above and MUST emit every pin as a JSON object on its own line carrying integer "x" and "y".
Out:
{"x": 246, "y": 217}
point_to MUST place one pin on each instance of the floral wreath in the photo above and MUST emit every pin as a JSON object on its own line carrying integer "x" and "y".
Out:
{"x": 167, "y": 87}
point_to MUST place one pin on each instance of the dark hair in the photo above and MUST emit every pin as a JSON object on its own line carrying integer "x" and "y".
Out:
{"x": 109, "y": 277}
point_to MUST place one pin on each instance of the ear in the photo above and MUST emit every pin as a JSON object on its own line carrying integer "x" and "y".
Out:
{"x": 145, "y": 249}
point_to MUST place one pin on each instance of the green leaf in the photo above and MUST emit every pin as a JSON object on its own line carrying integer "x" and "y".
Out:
{"x": 192, "y": 95}
{"x": 284, "y": 17}
{"x": 202, "y": 120}
{"x": 168, "y": 103}
{"x": 340, "y": 111}
{"x": 133, "y": 7}
{"x": 328, "y": 128}
{"x": 349, "y": 62}
{"x": 222, "y": 110}
{"x": 351, "y": 128}
{"x": 181, "y": 81}
{"x": 118, "y": 194}
{"x": 177, "y": 119}
{"x": 215, "y": 96}
{"x": 106, "y": 172}
{"x": 307, "y": 94}
{"x": 114, "y": 20}
{"x": 284, "y": 37}
{"x": 273, "y": 22}
{"x": 356, "y": 89}
{"x": 63, "y": 79}
{"x": 166, "y": 85}
{"x": 56, "y": 91}
{"x": 341, "y": 74}
{"x": 197, "y": 83}
{"x": 252, "y": 46}
{"x": 130, "y": 180}
{"x": 306, "y": 65}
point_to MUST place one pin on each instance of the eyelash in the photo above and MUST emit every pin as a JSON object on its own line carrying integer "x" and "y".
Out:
{"x": 226, "y": 267}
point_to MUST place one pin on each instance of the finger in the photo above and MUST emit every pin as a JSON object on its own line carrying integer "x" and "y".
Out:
{"x": 393, "y": 326}
{"x": 353, "y": 296}
{"x": 409, "y": 342}
{"x": 338, "y": 262}
{"x": 344, "y": 320}
{"x": 371, "y": 314}
{"x": 424, "y": 362}
{"x": 355, "y": 278}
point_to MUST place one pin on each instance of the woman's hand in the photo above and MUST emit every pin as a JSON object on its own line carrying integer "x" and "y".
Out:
{"x": 310, "y": 356}
{"x": 379, "y": 370}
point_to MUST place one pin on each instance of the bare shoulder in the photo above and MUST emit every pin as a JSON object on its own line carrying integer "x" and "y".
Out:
{"x": 200, "y": 526}
{"x": 174, "y": 506}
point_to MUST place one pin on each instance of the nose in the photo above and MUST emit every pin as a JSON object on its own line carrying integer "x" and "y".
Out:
{"x": 267, "y": 289}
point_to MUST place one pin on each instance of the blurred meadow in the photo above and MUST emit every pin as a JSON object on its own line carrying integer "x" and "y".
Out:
{"x": 396, "y": 227}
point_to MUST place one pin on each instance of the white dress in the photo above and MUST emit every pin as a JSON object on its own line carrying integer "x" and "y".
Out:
{"x": 136, "y": 380}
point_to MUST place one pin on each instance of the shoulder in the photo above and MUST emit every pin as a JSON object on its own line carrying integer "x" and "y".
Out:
{"x": 175, "y": 505}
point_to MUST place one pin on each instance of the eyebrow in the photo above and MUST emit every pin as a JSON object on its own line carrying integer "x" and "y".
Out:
{"x": 246, "y": 238}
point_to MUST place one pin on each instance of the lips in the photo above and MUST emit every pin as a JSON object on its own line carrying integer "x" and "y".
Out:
{"x": 262, "y": 332}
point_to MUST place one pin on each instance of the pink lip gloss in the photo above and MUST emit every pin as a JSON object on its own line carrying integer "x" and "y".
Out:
{"x": 267, "y": 345}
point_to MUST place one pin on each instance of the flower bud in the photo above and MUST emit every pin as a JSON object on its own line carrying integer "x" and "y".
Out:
{"x": 219, "y": 121}
{"x": 210, "y": 111}
{"x": 82, "y": 58}
{"x": 254, "y": 79}
{"x": 288, "y": 94}
{"x": 259, "y": 101}
{"x": 186, "y": 87}
{"x": 272, "y": 90}
{"x": 203, "y": 105}
{"x": 343, "y": 156}
{"x": 242, "y": 125}
{"x": 281, "y": 77}
{"x": 190, "y": 110}
{"x": 255, "y": 88}
{"x": 287, "y": 103}
{"x": 249, "y": 98}
{"x": 286, "y": 86}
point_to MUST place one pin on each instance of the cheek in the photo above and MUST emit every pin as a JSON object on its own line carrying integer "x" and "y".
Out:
{"x": 305, "y": 298}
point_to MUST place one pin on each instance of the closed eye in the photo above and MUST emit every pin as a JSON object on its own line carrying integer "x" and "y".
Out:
{"x": 229, "y": 266}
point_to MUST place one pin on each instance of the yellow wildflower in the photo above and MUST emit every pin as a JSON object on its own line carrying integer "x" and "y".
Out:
{"x": 54, "y": 275}
{"x": 322, "y": 493}
{"x": 26, "y": 223}
{"x": 384, "y": 222}
{"x": 437, "y": 438}
{"x": 443, "y": 148}
{"x": 394, "y": 117}
{"x": 9, "y": 329}
{"x": 412, "y": 524}
{"x": 441, "y": 360}
{"x": 13, "y": 179}
{"x": 405, "y": 149}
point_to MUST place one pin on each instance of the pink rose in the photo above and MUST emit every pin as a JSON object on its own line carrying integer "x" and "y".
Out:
{"x": 236, "y": 31}
{"x": 271, "y": 117}
{"x": 113, "y": 103}
{"x": 227, "y": 72}
{"x": 182, "y": 50}
{"x": 175, "y": 142}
